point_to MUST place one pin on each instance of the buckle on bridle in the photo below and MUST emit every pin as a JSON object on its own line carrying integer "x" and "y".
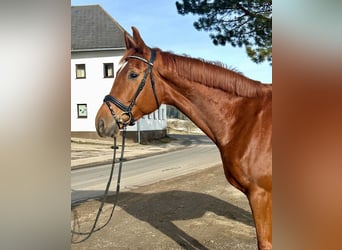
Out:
{"x": 129, "y": 122}
{"x": 120, "y": 120}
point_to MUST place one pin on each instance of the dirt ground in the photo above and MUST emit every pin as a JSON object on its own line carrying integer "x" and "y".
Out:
{"x": 195, "y": 211}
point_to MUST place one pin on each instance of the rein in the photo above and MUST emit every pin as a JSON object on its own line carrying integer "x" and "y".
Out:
{"x": 94, "y": 229}
{"x": 127, "y": 110}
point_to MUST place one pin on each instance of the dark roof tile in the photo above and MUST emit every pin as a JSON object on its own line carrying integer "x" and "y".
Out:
{"x": 93, "y": 28}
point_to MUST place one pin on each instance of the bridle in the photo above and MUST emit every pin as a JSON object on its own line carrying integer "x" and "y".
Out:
{"x": 127, "y": 110}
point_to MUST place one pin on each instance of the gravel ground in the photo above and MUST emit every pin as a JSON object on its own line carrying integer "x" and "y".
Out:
{"x": 195, "y": 211}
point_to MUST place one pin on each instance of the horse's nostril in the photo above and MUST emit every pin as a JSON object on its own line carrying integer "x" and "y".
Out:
{"x": 101, "y": 127}
{"x": 101, "y": 123}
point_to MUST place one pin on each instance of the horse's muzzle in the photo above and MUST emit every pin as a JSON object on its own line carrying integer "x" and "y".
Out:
{"x": 108, "y": 124}
{"x": 105, "y": 128}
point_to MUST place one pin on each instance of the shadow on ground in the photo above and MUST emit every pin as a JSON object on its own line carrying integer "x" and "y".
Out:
{"x": 160, "y": 210}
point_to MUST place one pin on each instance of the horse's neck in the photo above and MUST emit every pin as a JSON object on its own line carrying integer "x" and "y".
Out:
{"x": 196, "y": 111}
{"x": 209, "y": 108}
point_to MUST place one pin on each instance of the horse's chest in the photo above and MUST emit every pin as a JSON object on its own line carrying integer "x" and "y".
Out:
{"x": 236, "y": 171}
{"x": 244, "y": 168}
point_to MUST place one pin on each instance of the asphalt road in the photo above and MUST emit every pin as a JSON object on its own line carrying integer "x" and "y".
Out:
{"x": 90, "y": 182}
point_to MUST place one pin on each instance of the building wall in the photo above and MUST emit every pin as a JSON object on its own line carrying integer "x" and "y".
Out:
{"x": 93, "y": 89}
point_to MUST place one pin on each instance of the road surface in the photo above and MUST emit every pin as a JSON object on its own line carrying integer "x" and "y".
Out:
{"x": 91, "y": 182}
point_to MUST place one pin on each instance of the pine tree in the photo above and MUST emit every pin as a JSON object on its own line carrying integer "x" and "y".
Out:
{"x": 241, "y": 23}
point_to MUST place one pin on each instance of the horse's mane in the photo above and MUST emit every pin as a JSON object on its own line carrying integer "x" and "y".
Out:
{"x": 214, "y": 75}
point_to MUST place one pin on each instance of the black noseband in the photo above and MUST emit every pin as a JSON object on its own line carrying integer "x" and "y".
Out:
{"x": 128, "y": 109}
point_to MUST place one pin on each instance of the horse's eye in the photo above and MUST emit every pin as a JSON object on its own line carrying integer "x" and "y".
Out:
{"x": 132, "y": 75}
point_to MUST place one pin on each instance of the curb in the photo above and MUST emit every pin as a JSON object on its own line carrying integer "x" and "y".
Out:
{"x": 125, "y": 159}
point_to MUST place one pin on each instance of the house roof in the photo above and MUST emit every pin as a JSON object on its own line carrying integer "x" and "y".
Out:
{"x": 92, "y": 28}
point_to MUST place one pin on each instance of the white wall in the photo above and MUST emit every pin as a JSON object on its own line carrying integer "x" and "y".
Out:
{"x": 153, "y": 121}
{"x": 95, "y": 87}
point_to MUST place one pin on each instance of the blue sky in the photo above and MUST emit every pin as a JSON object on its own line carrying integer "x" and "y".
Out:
{"x": 161, "y": 26}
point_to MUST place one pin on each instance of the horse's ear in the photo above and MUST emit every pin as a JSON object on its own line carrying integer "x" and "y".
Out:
{"x": 130, "y": 44}
{"x": 138, "y": 40}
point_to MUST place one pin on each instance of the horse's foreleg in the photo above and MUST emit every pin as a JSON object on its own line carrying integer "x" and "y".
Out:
{"x": 261, "y": 204}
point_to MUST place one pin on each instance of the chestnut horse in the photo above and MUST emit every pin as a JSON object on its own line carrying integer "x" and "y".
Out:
{"x": 233, "y": 111}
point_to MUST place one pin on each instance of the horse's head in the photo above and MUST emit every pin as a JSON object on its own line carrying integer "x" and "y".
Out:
{"x": 133, "y": 93}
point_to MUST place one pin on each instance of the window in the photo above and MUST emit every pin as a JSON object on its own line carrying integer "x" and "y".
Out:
{"x": 82, "y": 111}
{"x": 108, "y": 70}
{"x": 80, "y": 71}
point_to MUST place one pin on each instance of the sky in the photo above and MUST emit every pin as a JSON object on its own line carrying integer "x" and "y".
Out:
{"x": 161, "y": 26}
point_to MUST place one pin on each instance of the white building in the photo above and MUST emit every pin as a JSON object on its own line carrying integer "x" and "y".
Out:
{"x": 97, "y": 45}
